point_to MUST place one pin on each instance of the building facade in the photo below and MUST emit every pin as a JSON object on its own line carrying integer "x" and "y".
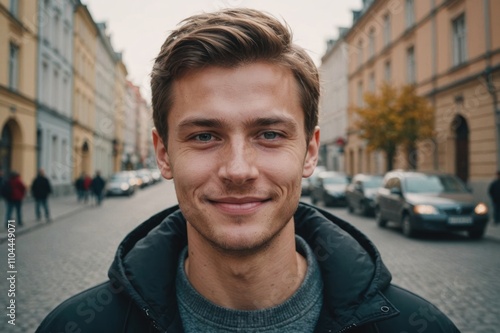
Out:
{"x": 18, "y": 67}
{"x": 448, "y": 49}
{"x": 130, "y": 156}
{"x": 84, "y": 79}
{"x": 333, "y": 103}
{"x": 54, "y": 92}
{"x": 104, "y": 127}
{"x": 120, "y": 105}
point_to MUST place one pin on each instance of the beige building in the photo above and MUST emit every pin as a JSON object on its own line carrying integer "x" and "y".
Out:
{"x": 450, "y": 50}
{"x": 85, "y": 42}
{"x": 18, "y": 59}
{"x": 120, "y": 105}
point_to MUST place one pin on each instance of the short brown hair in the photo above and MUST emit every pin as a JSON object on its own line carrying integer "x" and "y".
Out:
{"x": 230, "y": 38}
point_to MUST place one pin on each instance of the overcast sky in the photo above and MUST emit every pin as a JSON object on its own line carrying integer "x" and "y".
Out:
{"x": 139, "y": 27}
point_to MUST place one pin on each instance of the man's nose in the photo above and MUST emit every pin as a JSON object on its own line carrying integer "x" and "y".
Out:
{"x": 238, "y": 163}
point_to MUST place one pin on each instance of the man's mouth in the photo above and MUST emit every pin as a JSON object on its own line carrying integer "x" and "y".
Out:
{"x": 239, "y": 205}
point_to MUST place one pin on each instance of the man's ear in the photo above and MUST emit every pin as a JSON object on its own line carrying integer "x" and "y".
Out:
{"x": 162, "y": 158}
{"x": 312, "y": 154}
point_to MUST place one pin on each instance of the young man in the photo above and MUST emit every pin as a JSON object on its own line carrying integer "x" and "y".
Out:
{"x": 235, "y": 111}
{"x": 41, "y": 189}
{"x": 494, "y": 192}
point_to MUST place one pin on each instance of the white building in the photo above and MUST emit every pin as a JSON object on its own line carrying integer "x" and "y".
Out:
{"x": 54, "y": 92}
{"x": 333, "y": 103}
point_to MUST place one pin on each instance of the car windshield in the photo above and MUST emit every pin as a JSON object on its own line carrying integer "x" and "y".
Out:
{"x": 117, "y": 178}
{"x": 335, "y": 180}
{"x": 373, "y": 182}
{"x": 434, "y": 184}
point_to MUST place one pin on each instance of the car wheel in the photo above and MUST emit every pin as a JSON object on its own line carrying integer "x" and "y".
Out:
{"x": 378, "y": 216}
{"x": 476, "y": 233}
{"x": 314, "y": 200}
{"x": 406, "y": 226}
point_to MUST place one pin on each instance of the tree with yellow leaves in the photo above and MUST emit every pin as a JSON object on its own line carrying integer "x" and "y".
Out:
{"x": 392, "y": 118}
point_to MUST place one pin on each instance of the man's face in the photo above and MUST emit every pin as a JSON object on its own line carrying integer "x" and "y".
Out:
{"x": 237, "y": 152}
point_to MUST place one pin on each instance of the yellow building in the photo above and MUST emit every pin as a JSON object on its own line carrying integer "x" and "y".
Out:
{"x": 450, "y": 50}
{"x": 120, "y": 92}
{"x": 18, "y": 60}
{"x": 85, "y": 41}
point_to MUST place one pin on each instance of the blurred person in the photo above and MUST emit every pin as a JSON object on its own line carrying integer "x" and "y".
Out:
{"x": 80, "y": 191}
{"x": 494, "y": 192}
{"x": 235, "y": 108}
{"x": 97, "y": 187}
{"x": 14, "y": 191}
{"x": 40, "y": 190}
{"x": 87, "y": 183}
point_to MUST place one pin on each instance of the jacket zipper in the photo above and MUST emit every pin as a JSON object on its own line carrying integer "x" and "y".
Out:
{"x": 155, "y": 325}
{"x": 347, "y": 328}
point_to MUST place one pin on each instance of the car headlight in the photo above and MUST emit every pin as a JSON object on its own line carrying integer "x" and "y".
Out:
{"x": 425, "y": 210}
{"x": 124, "y": 187}
{"x": 481, "y": 209}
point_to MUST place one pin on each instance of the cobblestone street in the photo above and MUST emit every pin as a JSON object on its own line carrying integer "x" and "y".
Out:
{"x": 57, "y": 260}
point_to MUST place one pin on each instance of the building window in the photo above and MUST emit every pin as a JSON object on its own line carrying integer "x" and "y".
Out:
{"x": 13, "y": 66}
{"x": 45, "y": 20}
{"x": 459, "y": 41}
{"x": 55, "y": 33}
{"x": 14, "y": 7}
{"x": 360, "y": 53}
{"x": 371, "y": 84}
{"x": 45, "y": 83}
{"x": 55, "y": 90}
{"x": 387, "y": 71}
{"x": 411, "y": 66}
{"x": 371, "y": 44}
{"x": 387, "y": 29}
{"x": 410, "y": 13}
{"x": 360, "y": 94}
{"x": 54, "y": 157}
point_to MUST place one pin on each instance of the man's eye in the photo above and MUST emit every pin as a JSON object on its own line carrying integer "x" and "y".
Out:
{"x": 270, "y": 135}
{"x": 205, "y": 137}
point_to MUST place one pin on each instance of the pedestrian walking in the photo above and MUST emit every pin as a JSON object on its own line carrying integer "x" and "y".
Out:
{"x": 14, "y": 191}
{"x": 494, "y": 192}
{"x": 237, "y": 103}
{"x": 40, "y": 190}
{"x": 80, "y": 191}
{"x": 87, "y": 182}
{"x": 97, "y": 187}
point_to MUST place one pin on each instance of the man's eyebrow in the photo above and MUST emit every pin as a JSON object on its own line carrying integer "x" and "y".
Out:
{"x": 201, "y": 122}
{"x": 251, "y": 123}
{"x": 270, "y": 121}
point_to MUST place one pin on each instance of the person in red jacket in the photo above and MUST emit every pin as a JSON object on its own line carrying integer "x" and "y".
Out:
{"x": 14, "y": 195}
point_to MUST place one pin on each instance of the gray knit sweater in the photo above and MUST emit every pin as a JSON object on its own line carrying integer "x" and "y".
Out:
{"x": 297, "y": 314}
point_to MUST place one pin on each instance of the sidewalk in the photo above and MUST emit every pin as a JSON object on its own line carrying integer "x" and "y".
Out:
{"x": 59, "y": 207}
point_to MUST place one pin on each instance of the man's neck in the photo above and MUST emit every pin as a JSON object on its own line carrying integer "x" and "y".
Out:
{"x": 257, "y": 281}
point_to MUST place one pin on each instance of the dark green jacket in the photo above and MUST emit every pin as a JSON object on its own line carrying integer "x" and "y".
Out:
{"x": 140, "y": 293}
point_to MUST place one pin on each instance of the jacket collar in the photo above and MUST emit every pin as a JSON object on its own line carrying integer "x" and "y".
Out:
{"x": 352, "y": 269}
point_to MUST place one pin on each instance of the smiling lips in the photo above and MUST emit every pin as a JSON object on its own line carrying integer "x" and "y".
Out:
{"x": 244, "y": 205}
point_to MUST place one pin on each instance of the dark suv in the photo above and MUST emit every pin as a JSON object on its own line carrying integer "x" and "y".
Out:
{"x": 429, "y": 201}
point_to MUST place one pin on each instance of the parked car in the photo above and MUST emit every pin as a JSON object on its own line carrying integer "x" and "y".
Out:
{"x": 122, "y": 183}
{"x": 360, "y": 193}
{"x": 429, "y": 201}
{"x": 145, "y": 176}
{"x": 329, "y": 187}
{"x": 156, "y": 174}
{"x": 307, "y": 183}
